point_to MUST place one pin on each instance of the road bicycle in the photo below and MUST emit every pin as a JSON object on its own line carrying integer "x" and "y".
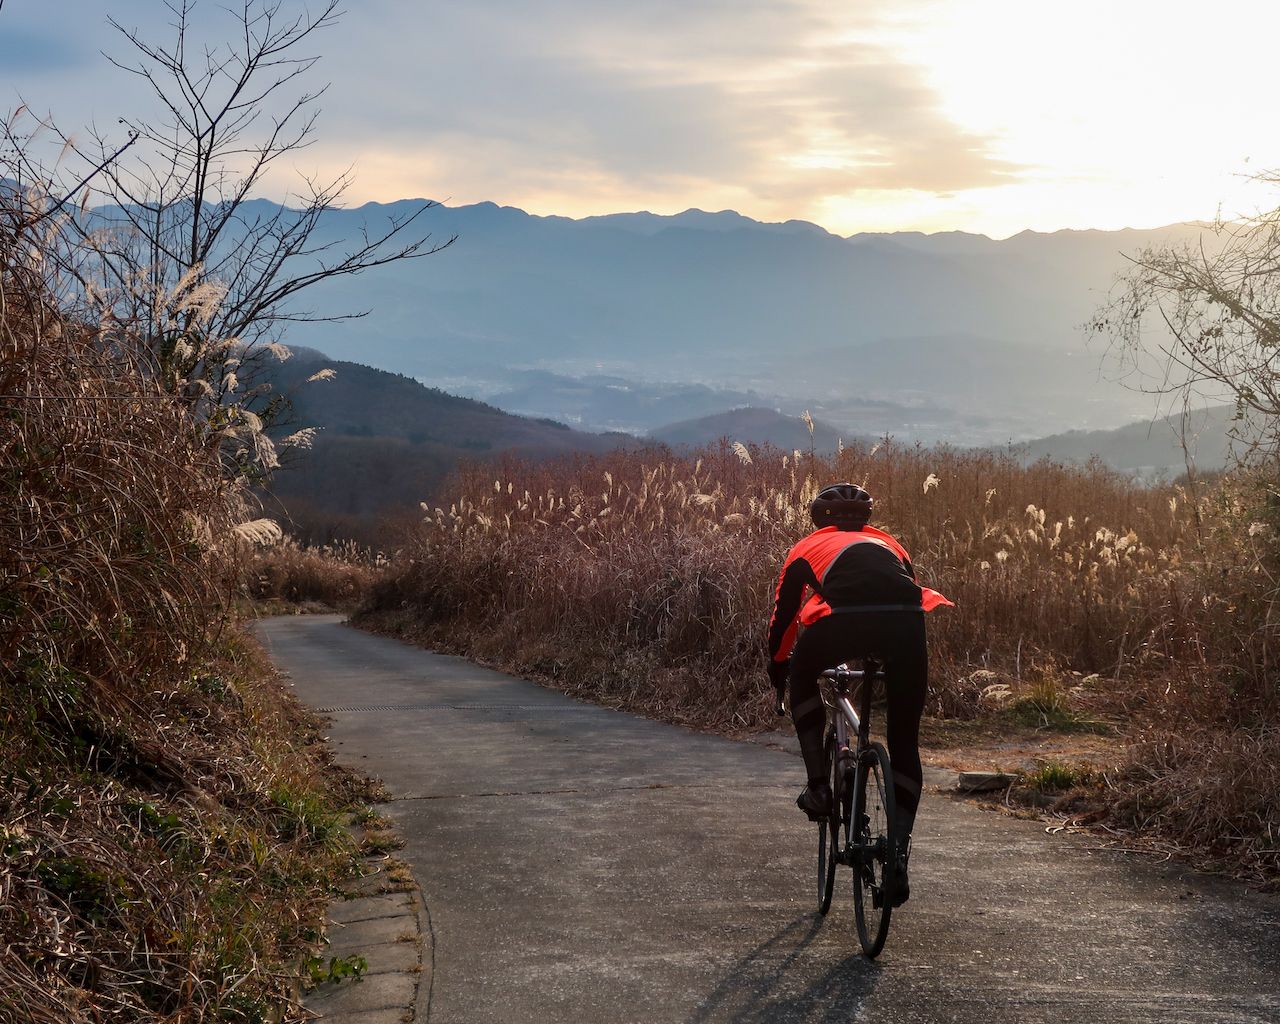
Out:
{"x": 861, "y": 830}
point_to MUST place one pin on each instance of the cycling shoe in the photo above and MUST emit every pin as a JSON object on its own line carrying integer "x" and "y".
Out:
{"x": 901, "y": 882}
{"x": 815, "y": 801}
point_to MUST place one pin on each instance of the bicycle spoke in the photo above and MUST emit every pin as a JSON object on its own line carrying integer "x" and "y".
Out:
{"x": 874, "y": 813}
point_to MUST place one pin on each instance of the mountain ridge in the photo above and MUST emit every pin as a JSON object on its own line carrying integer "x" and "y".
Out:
{"x": 784, "y": 311}
{"x": 386, "y": 442}
{"x": 733, "y": 304}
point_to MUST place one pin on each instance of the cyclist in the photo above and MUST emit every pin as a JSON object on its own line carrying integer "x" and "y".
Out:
{"x": 865, "y": 602}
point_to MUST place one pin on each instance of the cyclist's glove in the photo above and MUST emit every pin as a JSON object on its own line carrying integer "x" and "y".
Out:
{"x": 778, "y": 671}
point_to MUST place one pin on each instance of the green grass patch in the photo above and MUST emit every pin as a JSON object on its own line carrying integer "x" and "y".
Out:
{"x": 1055, "y": 776}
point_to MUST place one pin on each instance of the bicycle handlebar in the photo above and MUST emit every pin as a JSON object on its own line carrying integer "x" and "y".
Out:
{"x": 848, "y": 674}
{"x": 838, "y": 674}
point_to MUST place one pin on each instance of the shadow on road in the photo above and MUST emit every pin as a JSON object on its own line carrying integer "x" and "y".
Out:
{"x": 769, "y": 985}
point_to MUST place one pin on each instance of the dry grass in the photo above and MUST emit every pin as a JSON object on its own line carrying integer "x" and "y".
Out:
{"x": 649, "y": 576}
{"x": 1084, "y": 602}
{"x": 111, "y": 507}
{"x": 285, "y": 574}
{"x": 1210, "y": 790}
{"x": 175, "y": 872}
{"x": 169, "y": 819}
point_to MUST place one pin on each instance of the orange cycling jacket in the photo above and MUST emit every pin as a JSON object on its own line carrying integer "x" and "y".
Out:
{"x": 863, "y": 569}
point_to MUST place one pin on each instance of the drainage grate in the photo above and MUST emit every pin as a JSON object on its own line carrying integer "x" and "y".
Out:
{"x": 548, "y": 708}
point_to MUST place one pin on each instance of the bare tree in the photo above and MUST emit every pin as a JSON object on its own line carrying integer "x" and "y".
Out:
{"x": 206, "y": 277}
{"x": 1202, "y": 323}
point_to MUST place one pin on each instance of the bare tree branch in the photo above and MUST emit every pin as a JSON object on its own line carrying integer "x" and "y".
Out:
{"x": 1205, "y": 321}
{"x": 70, "y": 193}
{"x": 178, "y": 218}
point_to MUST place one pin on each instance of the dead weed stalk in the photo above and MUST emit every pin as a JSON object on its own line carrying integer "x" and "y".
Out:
{"x": 168, "y": 818}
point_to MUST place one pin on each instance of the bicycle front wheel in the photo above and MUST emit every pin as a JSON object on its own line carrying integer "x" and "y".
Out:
{"x": 873, "y": 853}
{"x": 828, "y": 836}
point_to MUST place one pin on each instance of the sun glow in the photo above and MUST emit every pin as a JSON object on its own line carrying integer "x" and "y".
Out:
{"x": 984, "y": 115}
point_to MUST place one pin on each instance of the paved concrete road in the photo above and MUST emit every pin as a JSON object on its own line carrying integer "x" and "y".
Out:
{"x": 584, "y": 865}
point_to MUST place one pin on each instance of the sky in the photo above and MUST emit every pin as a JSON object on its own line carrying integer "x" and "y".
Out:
{"x": 991, "y": 116}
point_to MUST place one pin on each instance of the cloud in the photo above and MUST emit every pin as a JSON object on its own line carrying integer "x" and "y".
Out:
{"x": 778, "y": 108}
{"x": 576, "y": 105}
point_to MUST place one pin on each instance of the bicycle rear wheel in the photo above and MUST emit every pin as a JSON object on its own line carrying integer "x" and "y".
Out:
{"x": 828, "y": 836}
{"x": 873, "y": 853}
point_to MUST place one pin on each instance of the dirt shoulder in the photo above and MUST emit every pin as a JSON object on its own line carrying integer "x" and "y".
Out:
{"x": 997, "y": 745}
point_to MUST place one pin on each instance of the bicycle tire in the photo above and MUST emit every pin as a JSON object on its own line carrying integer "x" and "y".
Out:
{"x": 873, "y": 854}
{"x": 828, "y": 836}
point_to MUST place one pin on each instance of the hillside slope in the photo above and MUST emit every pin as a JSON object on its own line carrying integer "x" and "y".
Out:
{"x": 360, "y": 401}
{"x": 1153, "y": 447}
{"x": 168, "y": 815}
{"x": 751, "y": 426}
{"x": 385, "y": 441}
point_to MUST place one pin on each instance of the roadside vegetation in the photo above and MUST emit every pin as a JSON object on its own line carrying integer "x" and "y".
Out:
{"x": 282, "y": 576}
{"x": 169, "y": 819}
{"x": 1085, "y": 603}
{"x": 171, "y": 824}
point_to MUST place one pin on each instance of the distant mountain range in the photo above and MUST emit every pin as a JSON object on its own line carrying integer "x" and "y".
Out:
{"x": 693, "y": 327}
{"x": 948, "y": 336}
{"x": 602, "y": 402}
{"x": 1162, "y": 447}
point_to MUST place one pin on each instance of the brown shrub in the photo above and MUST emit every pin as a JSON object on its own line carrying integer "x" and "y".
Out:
{"x": 111, "y": 505}
{"x": 168, "y": 821}
{"x": 337, "y": 575}
{"x": 653, "y": 572}
{"x": 1212, "y": 790}
{"x": 645, "y": 579}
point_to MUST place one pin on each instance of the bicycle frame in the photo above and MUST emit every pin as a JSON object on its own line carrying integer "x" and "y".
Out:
{"x": 848, "y": 720}
{"x": 860, "y": 829}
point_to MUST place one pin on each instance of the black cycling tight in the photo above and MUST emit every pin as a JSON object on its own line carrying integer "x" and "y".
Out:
{"x": 897, "y": 638}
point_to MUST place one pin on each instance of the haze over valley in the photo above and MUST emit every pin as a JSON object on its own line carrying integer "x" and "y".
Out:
{"x": 631, "y": 322}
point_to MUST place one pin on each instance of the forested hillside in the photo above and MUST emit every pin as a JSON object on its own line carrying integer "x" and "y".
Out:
{"x": 384, "y": 442}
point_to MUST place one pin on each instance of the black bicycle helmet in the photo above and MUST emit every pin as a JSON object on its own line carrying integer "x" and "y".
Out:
{"x": 841, "y": 505}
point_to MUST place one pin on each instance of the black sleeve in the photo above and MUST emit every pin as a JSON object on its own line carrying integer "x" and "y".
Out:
{"x": 786, "y": 605}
